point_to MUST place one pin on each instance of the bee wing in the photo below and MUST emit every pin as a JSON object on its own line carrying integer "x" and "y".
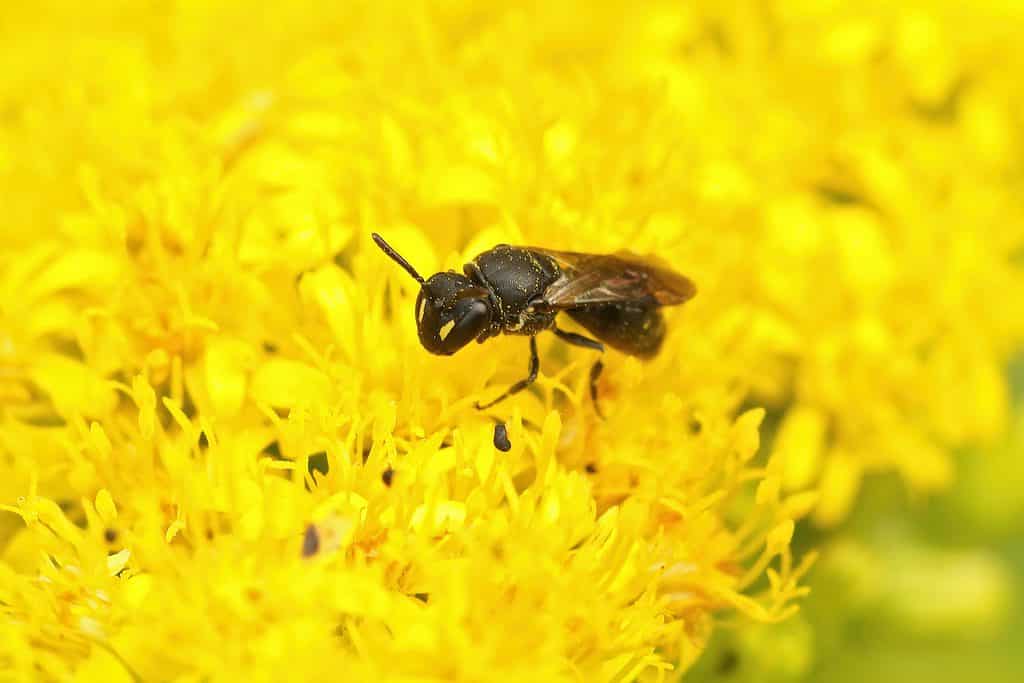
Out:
{"x": 608, "y": 278}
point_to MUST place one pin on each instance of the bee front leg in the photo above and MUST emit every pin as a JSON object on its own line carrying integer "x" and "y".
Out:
{"x": 595, "y": 369}
{"x": 521, "y": 384}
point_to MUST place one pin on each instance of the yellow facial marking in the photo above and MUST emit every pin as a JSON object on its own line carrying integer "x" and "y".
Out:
{"x": 446, "y": 329}
{"x": 422, "y": 309}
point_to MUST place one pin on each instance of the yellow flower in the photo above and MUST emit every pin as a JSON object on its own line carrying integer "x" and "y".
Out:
{"x": 224, "y": 454}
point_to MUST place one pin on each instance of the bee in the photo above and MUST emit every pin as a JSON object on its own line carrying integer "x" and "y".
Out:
{"x": 521, "y": 290}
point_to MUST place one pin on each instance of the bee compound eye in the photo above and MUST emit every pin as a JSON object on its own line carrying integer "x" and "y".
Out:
{"x": 470, "y": 318}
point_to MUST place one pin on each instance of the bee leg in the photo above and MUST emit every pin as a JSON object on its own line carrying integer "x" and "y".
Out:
{"x": 521, "y": 384}
{"x": 595, "y": 372}
{"x": 595, "y": 369}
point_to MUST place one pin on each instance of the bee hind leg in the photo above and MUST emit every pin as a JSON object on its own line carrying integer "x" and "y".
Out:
{"x": 521, "y": 384}
{"x": 595, "y": 369}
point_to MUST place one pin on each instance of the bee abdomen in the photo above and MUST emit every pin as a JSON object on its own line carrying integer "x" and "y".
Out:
{"x": 636, "y": 329}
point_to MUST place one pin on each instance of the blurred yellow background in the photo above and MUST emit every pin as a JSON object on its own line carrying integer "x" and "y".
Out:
{"x": 205, "y": 362}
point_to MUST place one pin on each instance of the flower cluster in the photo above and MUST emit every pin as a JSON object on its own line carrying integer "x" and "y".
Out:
{"x": 223, "y": 452}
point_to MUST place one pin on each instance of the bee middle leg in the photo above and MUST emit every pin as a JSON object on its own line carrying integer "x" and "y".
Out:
{"x": 595, "y": 369}
{"x": 521, "y": 384}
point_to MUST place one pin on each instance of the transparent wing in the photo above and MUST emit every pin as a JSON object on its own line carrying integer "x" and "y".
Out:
{"x": 608, "y": 278}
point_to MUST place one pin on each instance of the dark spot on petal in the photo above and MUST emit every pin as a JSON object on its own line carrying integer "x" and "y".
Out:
{"x": 310, "y": 541}
{"x": 204, "y": 441}
{"x": 501, "y": 441}
{"x": 188, "y": 406}
{"x": 273, "y": 449}
{"x": 317, "y": 462}
{"x": 110, "y": 535}
{"x": 729, "y": 662}
{"x": 422, "y": 597}
{"x": 387, "y": 476}
{"x": 591, "y": 468}
{"x": 270, "y": 347}
{"x": 344, "y": 257}
{"x": 694, "y": 426}
{"x": 836, "y": 194}
{"x": 946, "y": 110}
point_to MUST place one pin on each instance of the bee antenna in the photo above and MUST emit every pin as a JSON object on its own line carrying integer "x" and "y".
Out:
{"x": 396, "y": 257}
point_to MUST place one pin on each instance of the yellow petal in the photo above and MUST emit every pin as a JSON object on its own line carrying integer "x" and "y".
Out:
{"x": 226, "y": 361}
{"x": 102, "y": 666}
{"x": 768, "y": 491}
{"x": 100, "y": 441}
{"x": 105, "y": 507}
{"x": 746, "y": 435}
{"x": 801, "y": 504}
{"x": 798, "y": 446}
{"x": 118, "y": 561}
{"x": 136, "y": 589}
{"x": 458, "y": 184}
{"x": 77, "y": 268}
{"x": 779, "y": 537}
{"x": 284, "y": 383}
{"x": 175, "y": 527}
{"x": 840, "y": 482}
{"x": 446, "y": 515}
{"x": 74, "y": 387}
{"x": 145, "y": 400}
{"x": 333, "y": 291}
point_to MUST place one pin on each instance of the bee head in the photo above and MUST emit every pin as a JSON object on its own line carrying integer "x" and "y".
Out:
{"x": 451, "y": 310}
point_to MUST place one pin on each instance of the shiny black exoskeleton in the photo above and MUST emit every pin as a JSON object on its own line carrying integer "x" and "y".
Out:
{"x": 520, "y": 290}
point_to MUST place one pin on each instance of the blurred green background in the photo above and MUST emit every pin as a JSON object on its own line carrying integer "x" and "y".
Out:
{"x": 909, "y": 588}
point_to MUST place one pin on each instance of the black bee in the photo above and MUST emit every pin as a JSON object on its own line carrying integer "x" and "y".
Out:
{"x": 520, "y": 290}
